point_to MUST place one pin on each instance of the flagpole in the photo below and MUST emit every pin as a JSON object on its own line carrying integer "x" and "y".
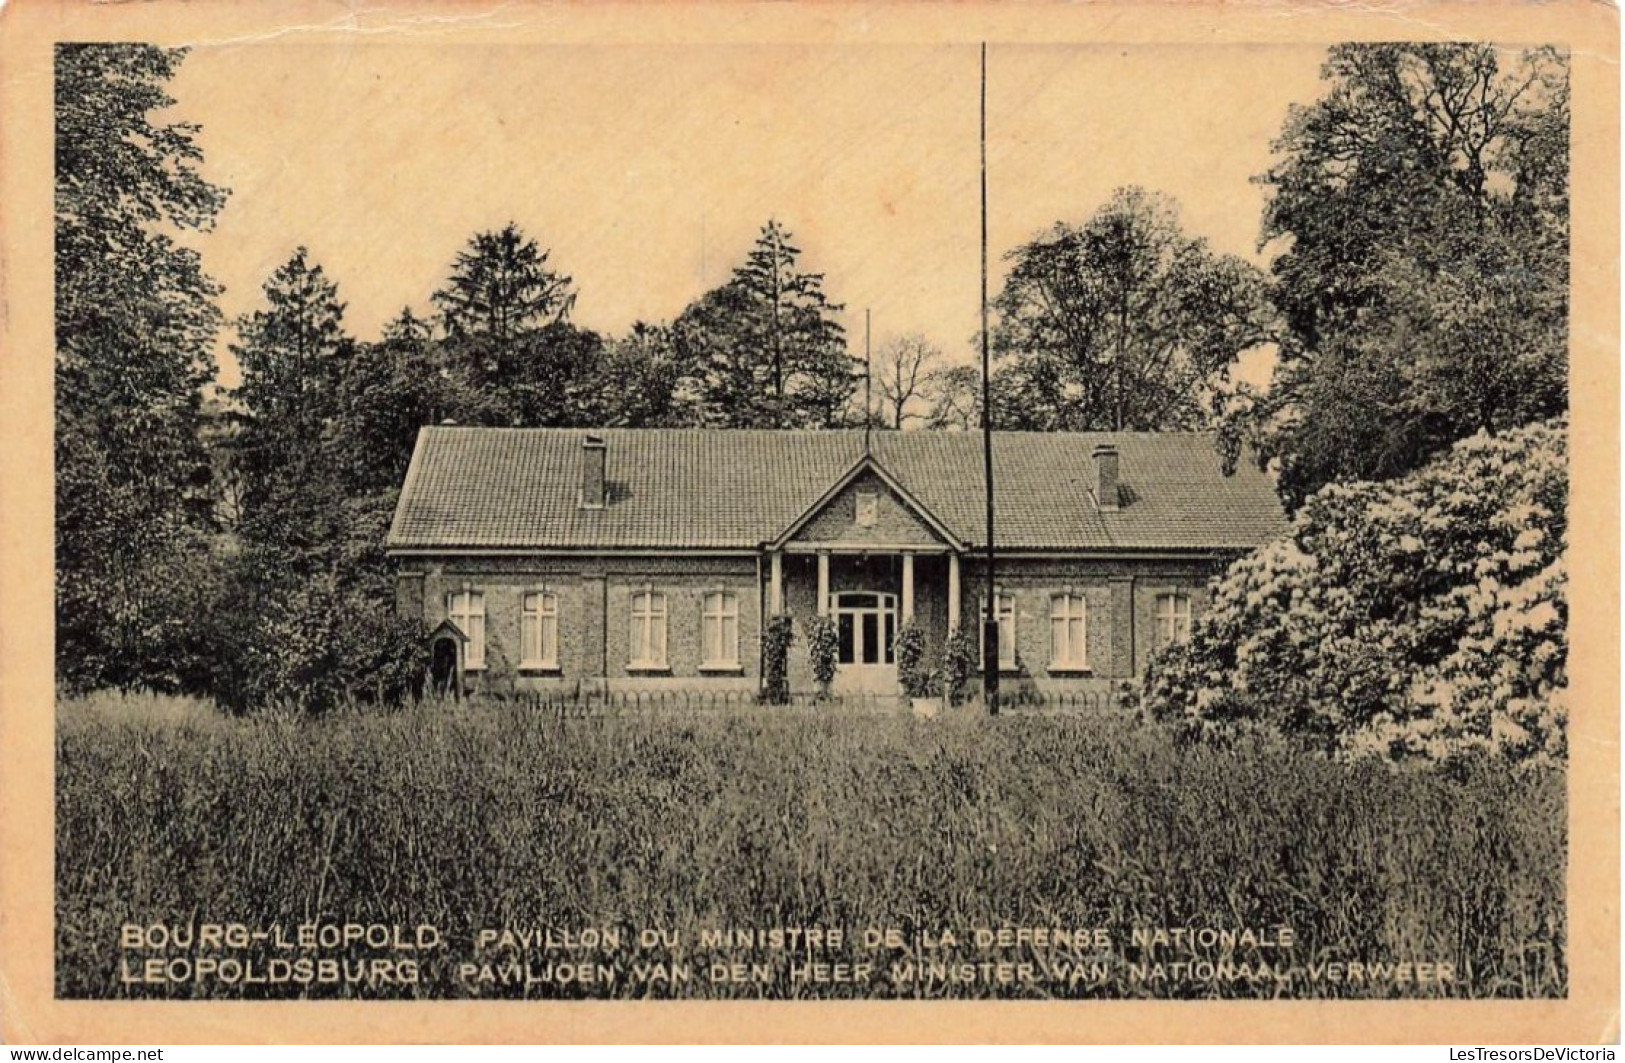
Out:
{"x": 990, "y": 619}
{"x": 868, "y": 374}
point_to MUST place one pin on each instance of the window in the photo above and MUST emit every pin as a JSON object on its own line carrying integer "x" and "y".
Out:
{"x": 466, "y": 609}
{"x": 719, "y": 630}
{"x": 648, "y": 630}
{"x": 1069, "y": 632}
{"x": 1173, "y": 619}
{"x": 539, "y": 630}
{"x": 1007, "y": 630}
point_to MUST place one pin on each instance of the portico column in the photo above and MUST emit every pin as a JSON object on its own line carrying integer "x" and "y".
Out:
{"x": 953, "y": 593}
{"x": 775, "y": 584}
{"x": 823, "y": 583}
{"x": 908, "y": 587}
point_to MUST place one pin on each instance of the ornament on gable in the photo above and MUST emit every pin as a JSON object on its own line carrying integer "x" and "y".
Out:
{"x": 868, "y": 508}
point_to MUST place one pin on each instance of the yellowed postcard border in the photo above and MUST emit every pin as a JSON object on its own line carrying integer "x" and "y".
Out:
{"x": 28, "y": 1011}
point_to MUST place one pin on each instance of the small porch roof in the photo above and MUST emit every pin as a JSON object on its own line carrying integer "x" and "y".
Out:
{"x": 446, "y": 627}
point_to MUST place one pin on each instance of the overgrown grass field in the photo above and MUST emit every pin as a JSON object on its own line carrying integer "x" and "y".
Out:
{"x": 487, "y": 816}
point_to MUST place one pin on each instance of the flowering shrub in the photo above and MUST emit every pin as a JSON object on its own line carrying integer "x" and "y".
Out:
{"x": 914, "y": 673}
{"x": 1420, "y": 617}
{"x": 959, "y": 657}
{"x": 823, "y": 643}
{"x": 776, "y": 639}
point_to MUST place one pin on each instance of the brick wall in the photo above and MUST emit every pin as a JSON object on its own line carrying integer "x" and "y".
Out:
{"x": 1119, "y": 595}
{"x": 684, "y": 594}
{"x": 1146, "y": 591}
{"x": 595, "y": 593}
{"x": 594, "y": 621}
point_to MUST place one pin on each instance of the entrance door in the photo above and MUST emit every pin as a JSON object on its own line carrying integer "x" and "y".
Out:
{"x": 443, "y": 667}
{"x": 866, "y": 624}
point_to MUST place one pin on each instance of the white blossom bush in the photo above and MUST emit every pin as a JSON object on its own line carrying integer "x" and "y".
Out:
{"x": 1423, "y": 617}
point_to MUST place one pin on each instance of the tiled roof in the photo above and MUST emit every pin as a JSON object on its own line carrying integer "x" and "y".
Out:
{"x": 717, "y": 489}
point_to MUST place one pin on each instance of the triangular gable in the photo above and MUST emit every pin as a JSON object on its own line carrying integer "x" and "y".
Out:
{"x": 867, "y": 469}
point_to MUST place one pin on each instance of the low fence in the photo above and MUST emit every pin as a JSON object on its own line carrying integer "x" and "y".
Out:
{"x": 676, "y": 702}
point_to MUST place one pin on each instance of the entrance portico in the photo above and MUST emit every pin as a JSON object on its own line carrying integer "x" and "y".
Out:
{"x": 872, "y": 560}
{"x": 870, "y": 594}
{"x": 903, "y": 581}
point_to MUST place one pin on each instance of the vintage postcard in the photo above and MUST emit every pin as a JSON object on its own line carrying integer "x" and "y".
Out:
{"x": 830, "y": 522}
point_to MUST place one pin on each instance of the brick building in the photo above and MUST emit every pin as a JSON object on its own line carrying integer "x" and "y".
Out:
{"x": 627, "y": 558}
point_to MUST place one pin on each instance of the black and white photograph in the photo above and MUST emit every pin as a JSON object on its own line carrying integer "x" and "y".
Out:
{"x": 840, "y": 518}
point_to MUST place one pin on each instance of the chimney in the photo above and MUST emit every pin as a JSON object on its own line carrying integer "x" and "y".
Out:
{"x": 1106, "y": 495}
{"x": 593, "y": 452}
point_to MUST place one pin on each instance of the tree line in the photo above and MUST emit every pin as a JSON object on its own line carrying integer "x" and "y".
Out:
{"x": 1417, "y": 293}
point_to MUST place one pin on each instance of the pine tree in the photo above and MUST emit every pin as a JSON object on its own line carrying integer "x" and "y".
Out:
{"x": 293, "y": 354}
{"x": 327, "y": 431}
{"x": 500, "y": 291}
{"x": 407, "y": 327}
{"x": 512, "y": 354}
{"x": 766, "y": 349}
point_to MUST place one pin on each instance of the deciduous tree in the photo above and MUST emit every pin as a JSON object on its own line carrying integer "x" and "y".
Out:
{"x": 135, "y": 327}
{"x": 1422, "y": 205}
{"x": 955, "y": 395}
{"x": 1123, "y": 322}
{"x": 902, "y": 373}
{"x": 387, "y": 392}
{"x": 637, "y": 381}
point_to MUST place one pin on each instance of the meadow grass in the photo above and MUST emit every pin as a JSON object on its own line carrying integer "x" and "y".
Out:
{"x": 487, "y": 815}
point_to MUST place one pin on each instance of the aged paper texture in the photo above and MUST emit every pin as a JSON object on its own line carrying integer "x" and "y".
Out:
{"x": 644, "y": 147}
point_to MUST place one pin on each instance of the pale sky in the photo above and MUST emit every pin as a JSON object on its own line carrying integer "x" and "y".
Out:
{"x": 646, "y": 170}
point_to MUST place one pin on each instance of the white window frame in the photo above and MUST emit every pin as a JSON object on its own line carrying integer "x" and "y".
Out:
{"x": 1005, "y": 603}
{"x": 648, "y": 653}
{"x": 1069, "y": 612}
{"x": 883, "y": 607}
{"x": 466, "y": 609}
{"x": 539, "y": 627}
{"x": 1173, "y": 611}
{"x": 719, "y": 609}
